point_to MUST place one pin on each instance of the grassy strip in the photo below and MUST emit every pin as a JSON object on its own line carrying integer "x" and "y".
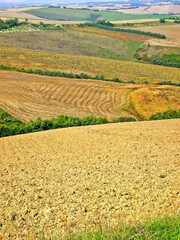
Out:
{"x": 115, "y": 29}
{"x": 76, "y": 76}
{"x": 11, "y": 126}
{"x": 160, "y": 229}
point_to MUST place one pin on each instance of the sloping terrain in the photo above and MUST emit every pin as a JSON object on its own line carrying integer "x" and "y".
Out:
{"x": 29, "y": 96}
{"x": 172, "y": 33}
{"x": 110, "y": 45}
{"x": 58, "y": 182}
{"x": 65, "y": 14}
{"x": 110, "y": 68}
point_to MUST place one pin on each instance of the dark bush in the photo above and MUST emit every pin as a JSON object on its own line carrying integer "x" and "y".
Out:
{"x": 169, "y": 114}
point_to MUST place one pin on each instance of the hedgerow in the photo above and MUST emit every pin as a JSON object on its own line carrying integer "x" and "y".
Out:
{"x": 106, "y": 27}
{"x": 75, "y": 75}
{"x": 169, "y": 114}
{"x": 11, "y": 126}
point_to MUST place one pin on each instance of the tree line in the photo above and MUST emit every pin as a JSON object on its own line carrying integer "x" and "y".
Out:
{"x": 11, "y": 126}
{"x": 75, "y": 75}
{"x": 10, "y": 23}
{"x": 107, "y": 26}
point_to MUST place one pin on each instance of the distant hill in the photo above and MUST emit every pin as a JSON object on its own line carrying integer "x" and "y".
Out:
{"x": 4, "y": 4}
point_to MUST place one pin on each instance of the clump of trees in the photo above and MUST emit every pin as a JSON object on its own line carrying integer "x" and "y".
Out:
{"x": 162, "y": 20}
{"x": 9, "y": 23}
{"x": 11, "y": 126}
{"x": 115, "y": 29}
{"x": 169, "y": 114}
{"x": 170, "y": 60}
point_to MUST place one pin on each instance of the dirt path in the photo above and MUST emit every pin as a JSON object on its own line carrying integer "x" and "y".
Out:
{"x": 62, "y": 181}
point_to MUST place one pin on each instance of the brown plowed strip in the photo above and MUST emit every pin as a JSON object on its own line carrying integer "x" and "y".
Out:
{"x": 62, "y": 181}
{"x": 28, "y": 96}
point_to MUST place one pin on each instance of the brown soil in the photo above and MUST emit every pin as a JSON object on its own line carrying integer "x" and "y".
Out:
{"x": 29, "y": 96}
{"x": 59, "y": 182}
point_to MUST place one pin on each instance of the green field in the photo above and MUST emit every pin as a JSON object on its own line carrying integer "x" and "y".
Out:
{"x": 73, "y": 42}
{"x": 86, "y": 15}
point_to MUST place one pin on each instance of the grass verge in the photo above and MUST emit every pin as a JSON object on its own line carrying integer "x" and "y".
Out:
{"x": 160, "y": 229}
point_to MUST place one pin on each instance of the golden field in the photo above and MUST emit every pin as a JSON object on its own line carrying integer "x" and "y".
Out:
{"x": 60, "y": 182}
{"x": 124, "y": 70}
{"x": 29, "y": 96}
{"x": 172, "y": 33}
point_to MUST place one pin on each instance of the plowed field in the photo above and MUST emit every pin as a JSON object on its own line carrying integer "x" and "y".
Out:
{"x": 29, "y": 96}
{"x": 58, "y": 182}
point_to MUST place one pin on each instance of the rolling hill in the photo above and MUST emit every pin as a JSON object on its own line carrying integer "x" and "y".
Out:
{"x": 28, "y": 96}
{"x": 60, "y": 182}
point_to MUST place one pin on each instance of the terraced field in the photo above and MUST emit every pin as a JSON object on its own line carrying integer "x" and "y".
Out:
{"x": 124, "y": 70}
{"x": 28, "y": 96}
{"x": 60, "y": 182}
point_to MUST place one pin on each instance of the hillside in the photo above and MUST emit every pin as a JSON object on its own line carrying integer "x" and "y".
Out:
{"x": 64, "y": 14}
{"x": 110, "y": 68}
{"x": 29, "y": 96}
{"x": 59, "y": 182}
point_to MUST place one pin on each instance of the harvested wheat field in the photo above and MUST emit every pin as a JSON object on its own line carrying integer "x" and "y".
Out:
{"x": 29, "y": 96}
{"x": 60, "y": 182}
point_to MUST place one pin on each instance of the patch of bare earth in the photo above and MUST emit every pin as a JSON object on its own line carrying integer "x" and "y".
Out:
{"x": 60, "y": 182}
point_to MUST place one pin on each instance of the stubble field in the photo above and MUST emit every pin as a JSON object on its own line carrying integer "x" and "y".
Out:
{"x": 60, "y": 182}
{"x": 29, "y": 96}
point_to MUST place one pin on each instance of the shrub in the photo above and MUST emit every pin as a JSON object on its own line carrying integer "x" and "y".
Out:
{"x": 169, "y": 114}
{"x": 162, "y": 20}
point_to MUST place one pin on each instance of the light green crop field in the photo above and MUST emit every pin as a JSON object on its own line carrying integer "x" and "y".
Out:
{"x": 86, "y": 15}
{"x": 73, "y": 42}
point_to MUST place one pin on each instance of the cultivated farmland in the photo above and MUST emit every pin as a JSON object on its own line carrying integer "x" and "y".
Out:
{"x": 96, "y": 43}
{"x": 85, "y": 15}
{"x": 124, "y": 70}
{"x": 60, "y": 182}
{"x": 28, "y": 96}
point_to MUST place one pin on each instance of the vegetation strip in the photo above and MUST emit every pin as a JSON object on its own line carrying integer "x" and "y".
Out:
{"x": 11, "y": 126}
{"x": 15, "y": 25}
{"x": 76, "y": 76}
{"x": 165, "y": 228}
{"x": 107, "y": 26}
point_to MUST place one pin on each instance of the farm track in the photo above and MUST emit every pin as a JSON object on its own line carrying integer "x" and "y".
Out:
{"x": 60, "y": 182}
{"x": 29, "y": 96}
